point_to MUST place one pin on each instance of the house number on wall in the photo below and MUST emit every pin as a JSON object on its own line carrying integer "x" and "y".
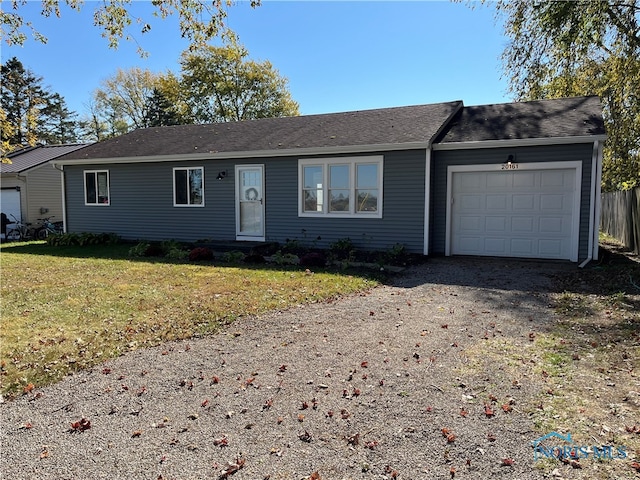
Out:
{"x": 509, "y": 166}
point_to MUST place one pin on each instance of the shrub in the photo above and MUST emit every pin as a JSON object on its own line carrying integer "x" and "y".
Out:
{"x": 154, "y": 250}
{"x": 139, "y": 249}
{"x": 200, "y": 254}
{"x": 254, "y": 258}
{"x": 235, "y": 256}
{"x": 285, "y": 258}
{"x": 82, "y": 239}
{"x": 342, "y": 249}
{"x": 177, "y": 254}
{"x": 313, "y": 259}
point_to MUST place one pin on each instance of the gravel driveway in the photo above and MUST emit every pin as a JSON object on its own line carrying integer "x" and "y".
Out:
{"x": 357, "y": 388}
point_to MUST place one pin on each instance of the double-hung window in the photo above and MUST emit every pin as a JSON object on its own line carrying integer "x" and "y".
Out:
{"x": 341, "y": 187}
{"x": 188, "y": 186}
{"x": 96, "y": 187}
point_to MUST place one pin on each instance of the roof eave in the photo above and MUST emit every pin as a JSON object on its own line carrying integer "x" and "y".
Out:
{"x": 289, "y": 152}
{"x": 518, "y": 142}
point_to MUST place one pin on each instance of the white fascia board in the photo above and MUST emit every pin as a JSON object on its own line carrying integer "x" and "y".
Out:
{"x": 291, "y": 152}
{"x": 523, "y": 142}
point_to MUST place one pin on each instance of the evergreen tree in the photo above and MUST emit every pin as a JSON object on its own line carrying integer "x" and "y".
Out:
{"x": 21, "y": 98}
{"x": 29, "y": 113}
{"x": 58, "y": 124}
{"x": 161, "y": 111}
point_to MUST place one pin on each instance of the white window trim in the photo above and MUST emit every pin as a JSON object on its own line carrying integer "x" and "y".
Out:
{"x": 173, "y": 183}
{"x": 351, "y": 162}
{"x": 95, "y": 174}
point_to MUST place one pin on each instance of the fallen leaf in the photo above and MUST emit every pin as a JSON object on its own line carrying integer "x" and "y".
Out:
{"x": 354, "y": 439}
{"x": 232, "y": 467}
{"x": 452, "y": 472}
{"x": 507, "y": 462}
{"x": 488, "y": 411}
{"x": 136, "y": 434}
{"x": 205, "y": 402}
{"x": 463, "y": 412}
{"x": 81, "y": 425}
{"x": 315, "y": 476}
{"x": 221, "y": 442}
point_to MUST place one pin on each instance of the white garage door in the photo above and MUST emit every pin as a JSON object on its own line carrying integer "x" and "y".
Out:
{"x": 515, "y": 213}
{"x": 10, "y": 202}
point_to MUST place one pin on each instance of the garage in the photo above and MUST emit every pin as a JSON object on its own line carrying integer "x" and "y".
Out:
{"x": 514, "y": 210}
{"x": 10, "y": 202}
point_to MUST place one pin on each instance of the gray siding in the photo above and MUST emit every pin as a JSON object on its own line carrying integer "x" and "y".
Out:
{"x": 557, "y": 153}
{"x": 141, "y": 197}
{"x": 44, "y": 191}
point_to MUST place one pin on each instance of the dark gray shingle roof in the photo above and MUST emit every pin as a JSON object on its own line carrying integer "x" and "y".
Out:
{"x": 30, "y": 157}
{"x": 398, "y": 125}
{"x": 565, "y": 117}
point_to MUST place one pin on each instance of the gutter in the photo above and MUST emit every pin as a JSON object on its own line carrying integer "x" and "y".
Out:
{"x": 427, "y": 179}
{"x": 289, "y": 152}
{"x": 518, "y": 142}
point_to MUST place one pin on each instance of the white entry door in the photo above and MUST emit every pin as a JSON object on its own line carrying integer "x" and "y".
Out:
{"x": 250, "y": 202}
{"x": 530, "y": 212}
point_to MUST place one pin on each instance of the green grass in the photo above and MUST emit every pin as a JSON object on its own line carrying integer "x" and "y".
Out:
{"x": 68, "y": 308}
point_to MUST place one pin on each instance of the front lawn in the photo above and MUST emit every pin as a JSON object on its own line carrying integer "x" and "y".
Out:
{"x": 68, "y": 308}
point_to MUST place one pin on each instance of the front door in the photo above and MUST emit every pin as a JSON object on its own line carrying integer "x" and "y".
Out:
{"x": 250, "y": 202}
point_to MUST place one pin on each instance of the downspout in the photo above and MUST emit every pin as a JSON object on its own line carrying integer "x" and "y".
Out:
{"x": 64, "y": 197}
{"x": 592, "y": 205}
{"x": 427, "y": 199}
{"x": 598, "y": 212}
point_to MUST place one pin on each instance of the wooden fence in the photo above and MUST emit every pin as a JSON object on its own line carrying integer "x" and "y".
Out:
{"x": 620, "y": 217}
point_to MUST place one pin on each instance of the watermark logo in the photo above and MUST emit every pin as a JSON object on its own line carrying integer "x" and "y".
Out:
{"x": 562, "y": 447}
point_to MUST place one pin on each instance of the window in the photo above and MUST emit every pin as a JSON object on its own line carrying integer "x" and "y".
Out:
{"x": 341, "y": 187}
{"x": 188, "y": 187}
{"x": 96, "y": 187}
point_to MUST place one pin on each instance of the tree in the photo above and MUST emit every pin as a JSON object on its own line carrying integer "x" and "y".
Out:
{"x": 221, "y": 84}
{"x": 29, "y": 112}
{"x": 21, "y": 98}
{"x": 124, "y": 96}
{"x": 58, "y": 124}
{"x": 582, "y": 47}
{"x": 200, "y": 20}
{"x": 161, "y": 111}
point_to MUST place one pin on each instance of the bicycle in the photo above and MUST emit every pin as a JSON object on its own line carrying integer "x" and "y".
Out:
{"x": 48, "y": 228}
{"x": 19, "y": 230}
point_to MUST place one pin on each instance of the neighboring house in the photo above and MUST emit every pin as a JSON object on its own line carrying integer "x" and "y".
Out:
{"x": 513, "y": 180}
{"x": 30, "y": 187}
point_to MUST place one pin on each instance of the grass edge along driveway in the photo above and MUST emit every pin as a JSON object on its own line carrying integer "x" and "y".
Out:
{"x": 69, "y": 308}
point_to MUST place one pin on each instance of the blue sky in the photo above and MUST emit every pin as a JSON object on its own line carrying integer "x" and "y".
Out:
{"x": 338, "y": 56}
